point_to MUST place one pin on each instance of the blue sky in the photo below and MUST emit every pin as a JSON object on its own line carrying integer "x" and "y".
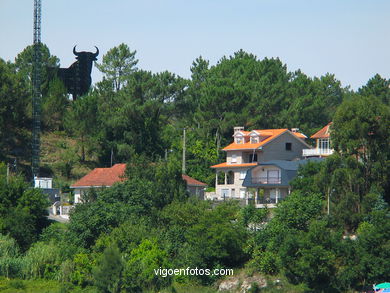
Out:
{"x": 349, "y": 38}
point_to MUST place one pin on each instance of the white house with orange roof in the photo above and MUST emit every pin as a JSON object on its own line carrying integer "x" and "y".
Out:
{"x": 250, "y": 148}
{"x": 323, "y": 143}
{"x": 98, "y": 178}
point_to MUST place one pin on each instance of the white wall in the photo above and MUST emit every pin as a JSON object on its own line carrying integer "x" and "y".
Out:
{"x": 41, "y": 182}
{"x": 237, "y": 184}
{"x": 77, "y": 195}
{"x": 238, "y": 155}
{"x": 261, "y": 171}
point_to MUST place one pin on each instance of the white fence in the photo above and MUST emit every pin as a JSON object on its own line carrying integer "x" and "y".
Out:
{"x": 317, "y": 152}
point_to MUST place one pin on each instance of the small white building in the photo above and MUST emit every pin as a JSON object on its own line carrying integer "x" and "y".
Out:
{"x": 43, "y": 182}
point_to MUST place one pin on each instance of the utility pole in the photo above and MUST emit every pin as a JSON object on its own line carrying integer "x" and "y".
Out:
{"x": 7, "y": 173}
{"x": 328, "y": 203}
{"x": 183, "y": 166}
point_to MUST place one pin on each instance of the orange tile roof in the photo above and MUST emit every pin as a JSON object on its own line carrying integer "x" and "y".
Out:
{"x": 102, "y": 177}
{"x": 266, "y": 134}
{"x": 192, "y": 181}
{"x": 108, "y": 176}
{"x": 323, "y": 133}
{"x": 242, "y": 146}
{"x": 226, "y": 165}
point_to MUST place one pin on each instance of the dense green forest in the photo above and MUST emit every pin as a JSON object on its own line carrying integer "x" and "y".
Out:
{"x": 120, "y": 235}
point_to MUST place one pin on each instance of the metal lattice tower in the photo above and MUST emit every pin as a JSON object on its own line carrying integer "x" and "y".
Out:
{"x": 36, "y": 95}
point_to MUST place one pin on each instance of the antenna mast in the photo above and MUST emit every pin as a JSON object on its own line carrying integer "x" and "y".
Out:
{"x": 36, "y": 82}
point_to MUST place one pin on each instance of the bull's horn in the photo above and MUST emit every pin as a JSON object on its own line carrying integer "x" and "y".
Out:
{"x": 74, "y": 51}
{"x": 97, "y": 52}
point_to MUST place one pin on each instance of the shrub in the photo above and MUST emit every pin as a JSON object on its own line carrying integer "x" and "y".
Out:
{"x": 140, "y": 269}
{"x": 108, "y": 272}
{"x": 10, "y": 262}
{"x": 42, "y": 261}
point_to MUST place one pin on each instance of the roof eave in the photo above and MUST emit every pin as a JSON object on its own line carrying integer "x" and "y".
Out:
{"x": 89, "y": 186}
{"x": 246, "y": 149}
{"x": 268, "y": 185}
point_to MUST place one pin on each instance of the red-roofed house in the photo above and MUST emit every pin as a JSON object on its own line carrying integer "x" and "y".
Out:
{"x": 98, "y": 178}
{"x": 322, "y": 148}
{"x": 194, "y": 187}
{"x": 249, "y": 148}
{"x": 106, "y": 177}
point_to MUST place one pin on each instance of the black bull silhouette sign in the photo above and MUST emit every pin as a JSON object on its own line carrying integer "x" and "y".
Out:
{"x": 77, "y": 78}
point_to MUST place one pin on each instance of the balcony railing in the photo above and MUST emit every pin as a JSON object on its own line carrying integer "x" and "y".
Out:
{"x": 263, "y": 200}
{"x": 266, "y": 180}
{"x": 317, "y": 152}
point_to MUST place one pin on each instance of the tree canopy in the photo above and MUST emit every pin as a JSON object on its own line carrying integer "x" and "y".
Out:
{"x": 329, "y": 235}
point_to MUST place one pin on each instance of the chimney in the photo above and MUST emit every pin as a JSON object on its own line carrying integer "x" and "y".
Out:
{"x": 294, "y": 129}
{"x": 238, "y": 128}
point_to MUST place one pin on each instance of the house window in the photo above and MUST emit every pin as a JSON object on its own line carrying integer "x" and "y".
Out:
{"x": 288, "y": 146}
{"x": 254, "y": 139}
{"x": 252, "y": 158}
{"x": 324, "y": 144}
{"x": 242, "y": 174}
{"x": 273, "y": 177}
{"x": 234, "y": 158}
{"x": 239, "y": 140}
{"x": 44, "y": 184}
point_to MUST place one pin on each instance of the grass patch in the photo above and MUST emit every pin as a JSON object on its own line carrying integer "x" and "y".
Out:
{"x": 28, "y": 286}
{"x": 40, "y": 286}
{"x": 61, "y": 159}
